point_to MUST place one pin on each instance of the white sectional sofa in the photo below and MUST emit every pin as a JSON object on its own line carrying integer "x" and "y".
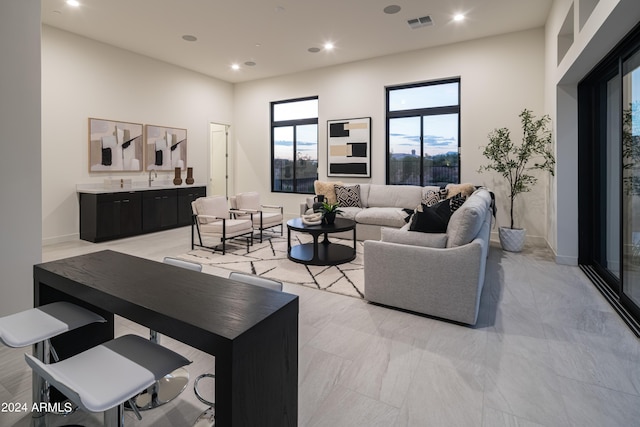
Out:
{"x": 438, "y": 274}
{"x": 382, "y": 206}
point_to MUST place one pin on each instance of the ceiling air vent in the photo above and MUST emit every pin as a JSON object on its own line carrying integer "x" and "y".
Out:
{"x": 424, "y": 21}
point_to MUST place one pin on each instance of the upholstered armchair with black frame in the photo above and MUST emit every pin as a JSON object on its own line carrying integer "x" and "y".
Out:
{"x": 249, "y": 203}
{"x": 213, "y": 218}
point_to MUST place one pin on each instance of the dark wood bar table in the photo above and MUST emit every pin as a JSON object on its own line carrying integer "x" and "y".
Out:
{"x": 251, "y": 331}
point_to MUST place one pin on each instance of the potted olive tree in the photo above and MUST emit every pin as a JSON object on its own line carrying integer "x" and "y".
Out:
{"x": 515, "y": 162}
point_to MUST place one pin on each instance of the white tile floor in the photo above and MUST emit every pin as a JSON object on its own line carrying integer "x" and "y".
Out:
{"x": 547, "y": 351}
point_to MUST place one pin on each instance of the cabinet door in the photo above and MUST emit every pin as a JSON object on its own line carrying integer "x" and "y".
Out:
{"x": 169, "y": 209}
{"x": 185, "y": 197}
{"x": 159, "y": 210}
{"x": 151, "y": 201}
{"x": 129, "y": 216}
{"x": 107, "y": 218}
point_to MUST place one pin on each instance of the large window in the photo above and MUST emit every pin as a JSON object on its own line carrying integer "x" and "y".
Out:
{"x": 423, "y": 133}
{"x": 294, "y": 145}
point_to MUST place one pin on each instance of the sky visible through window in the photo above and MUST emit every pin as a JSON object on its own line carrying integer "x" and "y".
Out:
{"x": 307, "y": 135}
{"x": 307, "y": 145}
{"x": 440, "y": 132}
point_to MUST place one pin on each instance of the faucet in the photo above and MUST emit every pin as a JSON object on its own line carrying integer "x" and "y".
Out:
{"x": 151, "y": 179}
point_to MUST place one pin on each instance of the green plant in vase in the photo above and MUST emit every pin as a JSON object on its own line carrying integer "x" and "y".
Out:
{"x": 329, "y": 211}
{"x": 515, "y": 162}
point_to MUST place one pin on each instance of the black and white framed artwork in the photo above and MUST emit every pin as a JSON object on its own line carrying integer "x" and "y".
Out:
{"x": 349, "y": 147}
{"x": 115, "y": 146}
{"x": 166, "y": 148}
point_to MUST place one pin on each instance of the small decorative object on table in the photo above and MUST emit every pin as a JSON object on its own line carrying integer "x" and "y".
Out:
{"x": 189, "y": 179}
{"x": 330, "y": 210}
{"x": 177, "y": 180}
{"x": 312, "y": 219}
{"x": 317, "y": 203}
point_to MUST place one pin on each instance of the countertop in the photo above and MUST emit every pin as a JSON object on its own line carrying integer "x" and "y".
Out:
{"x": 99, "y": 188}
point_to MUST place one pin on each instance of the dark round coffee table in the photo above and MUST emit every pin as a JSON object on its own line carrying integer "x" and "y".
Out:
{"x": 325, "y": 252}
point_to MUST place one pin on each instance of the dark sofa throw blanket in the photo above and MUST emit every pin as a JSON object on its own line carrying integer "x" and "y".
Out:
{"x": 435, "y": 218}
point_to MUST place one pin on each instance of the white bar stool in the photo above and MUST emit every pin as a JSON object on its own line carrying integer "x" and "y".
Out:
{"x": 36, "y": 326}
{"x": 106, "y": 376}
{"x": 174, "y": 383}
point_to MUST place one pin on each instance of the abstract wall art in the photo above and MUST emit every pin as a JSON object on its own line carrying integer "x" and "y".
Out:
{"x": 115, "y": 146}
{"x": 166, "y": 148}
{"x": 349, "y": 147}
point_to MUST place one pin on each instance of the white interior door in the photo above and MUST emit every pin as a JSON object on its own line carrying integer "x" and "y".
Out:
{"x": 219, "y": 181}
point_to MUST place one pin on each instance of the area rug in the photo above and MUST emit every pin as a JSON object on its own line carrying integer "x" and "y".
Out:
{"x": 269, "y": 259}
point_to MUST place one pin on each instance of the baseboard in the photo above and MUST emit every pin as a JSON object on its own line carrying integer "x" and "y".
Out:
{"x": 60, "y": 239}
{"x": 567, "y": 260}
{"x": 537, "y": 241}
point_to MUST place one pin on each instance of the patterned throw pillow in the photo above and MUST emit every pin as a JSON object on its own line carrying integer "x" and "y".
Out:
{"x": 431, "y": 197}
{"x": 348, "y": 196}
{"x": 456, "y": 201}
{"x": 443, "y": 192}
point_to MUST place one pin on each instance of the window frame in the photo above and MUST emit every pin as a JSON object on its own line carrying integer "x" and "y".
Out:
{"x": 291, "y": 123}
{"x": 421, "y": 113}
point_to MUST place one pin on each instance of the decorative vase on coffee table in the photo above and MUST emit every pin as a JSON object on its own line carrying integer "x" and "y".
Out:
{"x": 317, "y": 203}
{"x": 512, "y": 239}
{"x": 189, "y": 179}
{"x": 177, "y": 180}
{"x": 329, "y": 217}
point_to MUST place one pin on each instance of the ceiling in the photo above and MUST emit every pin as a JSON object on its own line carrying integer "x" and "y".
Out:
{"x": 276, "y": 34}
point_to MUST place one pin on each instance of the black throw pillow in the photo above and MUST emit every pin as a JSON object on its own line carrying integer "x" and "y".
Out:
{"x": 432, "y": 219}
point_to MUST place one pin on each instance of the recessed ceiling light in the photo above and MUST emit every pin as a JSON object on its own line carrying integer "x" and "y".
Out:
{"x": 250, "y": 64}
{"x": 458, "y": 17}
{"x": 74, "y": 3}
{"x": 189, "y": 38}
{"x": 391, "y": 9}
{"x": 314, "y": 49}
{"x": 235, "y": 67}
{"x": 328, "y": 46}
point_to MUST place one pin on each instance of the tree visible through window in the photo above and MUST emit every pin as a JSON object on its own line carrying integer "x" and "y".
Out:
{"x": 423, "y": 133}
{"x": 294, "y": 145}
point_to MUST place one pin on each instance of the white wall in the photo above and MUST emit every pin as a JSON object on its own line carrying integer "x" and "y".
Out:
{"x": 607, "y": 25}
{"x": 20, "y": 180}
{"x": 499, "y": 77}
{"x": 83, "y": 78}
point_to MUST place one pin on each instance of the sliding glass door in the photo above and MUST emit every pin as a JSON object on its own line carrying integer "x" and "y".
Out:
{"x": 631, "y": 178}
{"x": 609, "y": 177}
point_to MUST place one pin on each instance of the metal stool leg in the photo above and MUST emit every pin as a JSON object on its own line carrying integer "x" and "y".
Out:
{"x": 208, "y": 417}
{"x": 162, "y": 391}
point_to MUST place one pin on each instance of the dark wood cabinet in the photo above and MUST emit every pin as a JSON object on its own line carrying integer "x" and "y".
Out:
{"x": 159, "y": 210}
{"x": 185, "y": 197}
{"x": 109, "y": 216}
